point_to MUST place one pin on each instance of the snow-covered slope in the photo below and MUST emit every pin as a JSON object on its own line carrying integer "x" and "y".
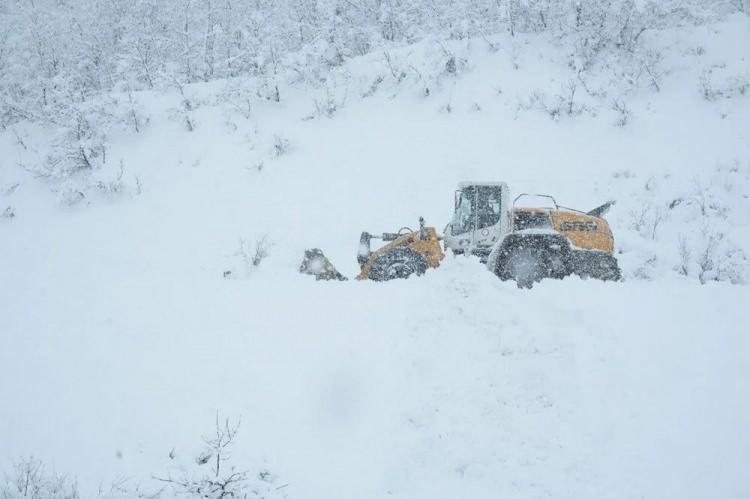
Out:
{"x": 122, "y": 340}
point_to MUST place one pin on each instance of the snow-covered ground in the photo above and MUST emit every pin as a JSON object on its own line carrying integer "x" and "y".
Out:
{"x": 121, "y": 340}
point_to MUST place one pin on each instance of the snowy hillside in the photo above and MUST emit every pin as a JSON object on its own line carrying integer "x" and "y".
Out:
{"x": 156, "y": 291}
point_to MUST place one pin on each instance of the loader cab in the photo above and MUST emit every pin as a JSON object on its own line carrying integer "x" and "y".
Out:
{"x": 480, "y": 217}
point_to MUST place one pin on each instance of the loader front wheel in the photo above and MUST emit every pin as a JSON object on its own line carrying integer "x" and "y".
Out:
{"x": 525, "y": 265}
{"x": 398, "y": 263}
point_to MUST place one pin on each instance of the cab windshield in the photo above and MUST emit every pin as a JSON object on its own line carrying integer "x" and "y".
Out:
{"x": 476, "y": 207}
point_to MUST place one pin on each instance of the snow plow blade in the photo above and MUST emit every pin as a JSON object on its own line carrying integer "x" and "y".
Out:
{"x": 317, "y": 264}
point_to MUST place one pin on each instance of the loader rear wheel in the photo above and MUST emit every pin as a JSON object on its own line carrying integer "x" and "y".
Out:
{"x": 597, "y": 265}
{"x": 525, "y": 265}
{"x": 398, "y": 263}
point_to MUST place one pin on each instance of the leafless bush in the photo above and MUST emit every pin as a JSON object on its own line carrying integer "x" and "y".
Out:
{"x": 134, "y": 115}
{"x": 251, "y": 255}
{"x": 82, "y": 147}
{"x": 334, "y": 97}
{"x": 733, "y": 85}
{"x": 19, "y": 139}
{"x": 239, "y": 95}
{"x": 650, "y": 63}
{"x": 9, "y": 189}
{"x": 703, "y": 197}
{"x": 373, "y": 86}
{"x": 515, "y": 56}
{"x": 646, "y": 269}
{"x": 326, "y": 106}
{"x": 115, "y": 185}
{"x": 71, "y": 196}
{"x": 187, "y": 105}
{"x": 624, "y": 173}
{"x": 261, "y": 251}
{"x": 29, "y": 480}
{"x": 280, "y": 145}
{"x": 562, "y": 104}
{"x": 685, "y": 256}
{"x": 221, "y": 481}
{"x": 535, "y": 101}
{"x": 450, "y": 65}
{"x": 8, "y": 213}
{"x": 646, "y": 219}
{"x": 707, "y": 257}
{"x": 571, "y": 108}
{"x": 215, "y": 477}
{"x": 717, "y": 260}
{"x": 623, "y": 112}
{"x": 705, "y": 86}
{"x": 397, "y": 73}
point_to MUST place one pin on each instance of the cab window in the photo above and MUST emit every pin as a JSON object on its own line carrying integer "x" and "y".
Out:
{"x": 476, "y": 207}
{"x": 523, "y": 220}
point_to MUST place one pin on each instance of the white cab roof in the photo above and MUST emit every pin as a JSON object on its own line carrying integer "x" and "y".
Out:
{"x": 464, "y": 185}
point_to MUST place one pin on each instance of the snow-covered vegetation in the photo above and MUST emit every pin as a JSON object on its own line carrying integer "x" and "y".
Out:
{"x": 164, "y": 165}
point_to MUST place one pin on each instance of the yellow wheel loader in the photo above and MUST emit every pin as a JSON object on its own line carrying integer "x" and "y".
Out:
{"x": 519, "y": 243}
{"x": 529, "y": 244}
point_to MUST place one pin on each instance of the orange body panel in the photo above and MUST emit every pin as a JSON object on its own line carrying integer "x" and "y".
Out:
{"x": 583, "y": 231}
{"x": 429, "y": 248}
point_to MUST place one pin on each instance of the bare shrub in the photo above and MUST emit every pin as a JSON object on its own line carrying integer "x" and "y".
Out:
{"x": 373, "y": 87}
{"x": 115, "y": 185}
{"x": 731, "y": 86}
{"x": 718, "y": 260}
{"x": 9, "y": 189}
{"x": 705, "y": 86}
{"x": 571, "y": 107}
{"x": 705, "y": 199}
{"x": 261, "y": 251}
{"x": 397, "y": 73}
{"x": 134, "y": 114}
{"x": 707, "y": 258}
{"x": 325, "y": 106}
{"x": 685, "y": 256}
{"x": 561, "y": 104}
{"x": 221, "y": 481}
{"x": 646, "y": 269}
{"x": 29, "y": 480}
{"x": 650, "y": 63}
{"x": 280, "y": 145}
{"x": 647, "y": 219}
{"x": 71, "y": 196}
{"x": 450, "y": 65}
{"x": 515, "y": 56}
{"x": 251, "y": 255}
{"x": 82, "y": 147}
{"x": 214, "y": 475}
{"x": 624, "y": 173}
{"x": 184, "y": 112}
{"x": 623, "y": 112}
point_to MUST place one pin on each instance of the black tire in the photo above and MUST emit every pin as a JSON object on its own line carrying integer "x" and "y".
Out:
{"x": 558, "y": 265}
{"x": 606, "y": 269}
{"x": 398, "y": 263}
{"x": 524, "y": 264}
{"x": 597, "y": 266}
